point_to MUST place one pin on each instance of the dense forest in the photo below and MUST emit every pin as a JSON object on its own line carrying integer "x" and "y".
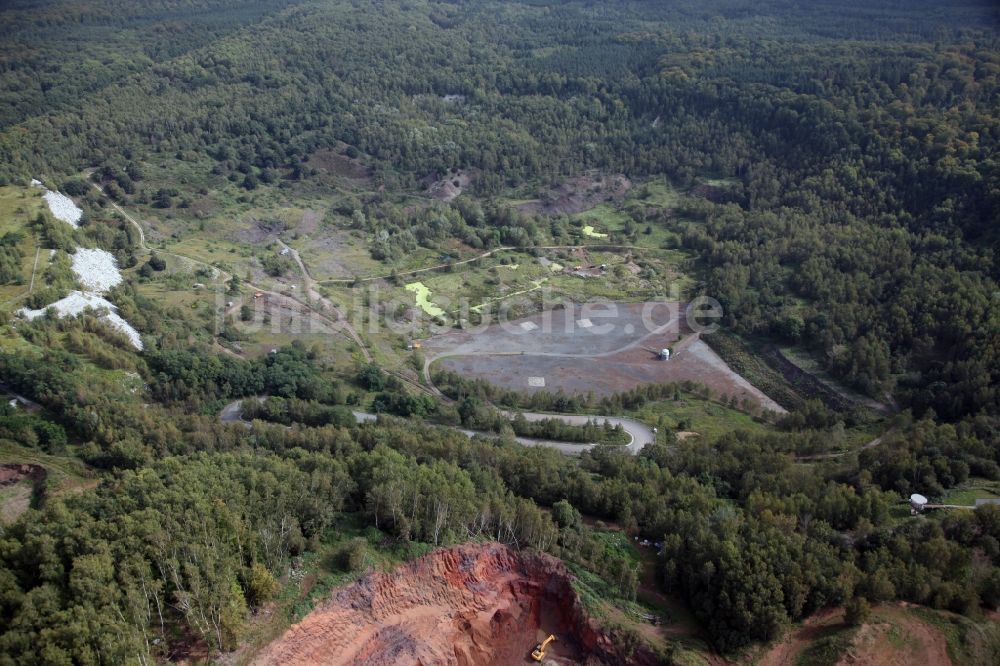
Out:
{"x": 858, "y": 141}
{"x": 867, "y": 187}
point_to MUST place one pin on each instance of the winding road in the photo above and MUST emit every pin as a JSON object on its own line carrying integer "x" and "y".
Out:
{"x": 639, "y": 433}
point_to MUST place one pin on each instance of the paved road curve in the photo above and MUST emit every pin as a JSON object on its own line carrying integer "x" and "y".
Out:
{"x": 639, "y": 433}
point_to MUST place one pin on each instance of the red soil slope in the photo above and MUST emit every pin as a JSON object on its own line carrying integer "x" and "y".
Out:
{"x": 474, "y": 604}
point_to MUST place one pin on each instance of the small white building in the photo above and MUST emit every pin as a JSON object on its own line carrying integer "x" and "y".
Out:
{"x": 664, "y": 354}
{"x": 918, "y": 502}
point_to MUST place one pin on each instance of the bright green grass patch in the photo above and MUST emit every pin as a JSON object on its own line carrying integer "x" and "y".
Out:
{"x": 19, "y": 205}
{"x": 594, "y": 591}
{"x": 968, "y": 494}
{"x": 724, "y": 183}
{"x": 694, "y": 414}
{"x": 607, "y": 215}
{"x": 423, "y": 294}
{"x": 589, "y": 231}
{"x": 659, "y": 193}
{"x": 618, "y": 545}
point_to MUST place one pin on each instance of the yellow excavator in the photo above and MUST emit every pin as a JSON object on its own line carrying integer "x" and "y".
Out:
{"x": 539, "y": 652}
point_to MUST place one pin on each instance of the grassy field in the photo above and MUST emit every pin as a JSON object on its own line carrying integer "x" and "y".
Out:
{"x": 612, "y": 217}
{"x": 723, "y": 183}
{"x": 424, "y": 302}
{"x": 19, "y": 206}
{"x": 514, "y": 273}
{"x": 696, "y": 415}
{"x": 223, "y": 225}
{"x": 65, "y": 475}
{"x": 972, "y": 490}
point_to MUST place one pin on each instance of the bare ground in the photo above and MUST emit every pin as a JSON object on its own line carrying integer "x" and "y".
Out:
{"x": 473, "y": 604}
{"x": 451, "y": 185}
{"x": 337, "y": 164}
{"x": 902, "y": 641}
{"x": 580, "y": 194}
{"x": 17, "y": 485}
{"x": 602, "y": 351}
{"x": 259, "y": 231}
{"x": 893, "y": 637}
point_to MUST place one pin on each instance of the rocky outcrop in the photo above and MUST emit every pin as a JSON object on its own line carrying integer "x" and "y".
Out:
{"x": 472, "y": 604}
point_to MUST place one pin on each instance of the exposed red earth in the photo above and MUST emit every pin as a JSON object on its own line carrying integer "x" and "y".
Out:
{"x": 483, "y": 604}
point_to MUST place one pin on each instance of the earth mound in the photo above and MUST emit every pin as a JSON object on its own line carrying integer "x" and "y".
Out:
{"x": 477, "y": 604}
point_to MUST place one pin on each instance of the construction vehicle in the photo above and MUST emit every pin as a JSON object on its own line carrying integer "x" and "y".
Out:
{"x": 539, "y": 652}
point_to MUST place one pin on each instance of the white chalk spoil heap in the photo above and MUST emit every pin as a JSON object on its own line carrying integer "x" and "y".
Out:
{"x": 96, "y": 269}
{"x": 78, "y": 302}
{"x": 62, "y": 207}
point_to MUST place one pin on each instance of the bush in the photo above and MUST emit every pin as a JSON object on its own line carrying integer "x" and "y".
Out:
{"x": 351, "y": 555}
{"x": 75, "y": 187}
{"x": 857, "y": 611}
{"x": 157, "y": 263}
{"x": 260, "y": 585}
{"x": 371, "y": 378}
{"x": 565, "y": 515}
